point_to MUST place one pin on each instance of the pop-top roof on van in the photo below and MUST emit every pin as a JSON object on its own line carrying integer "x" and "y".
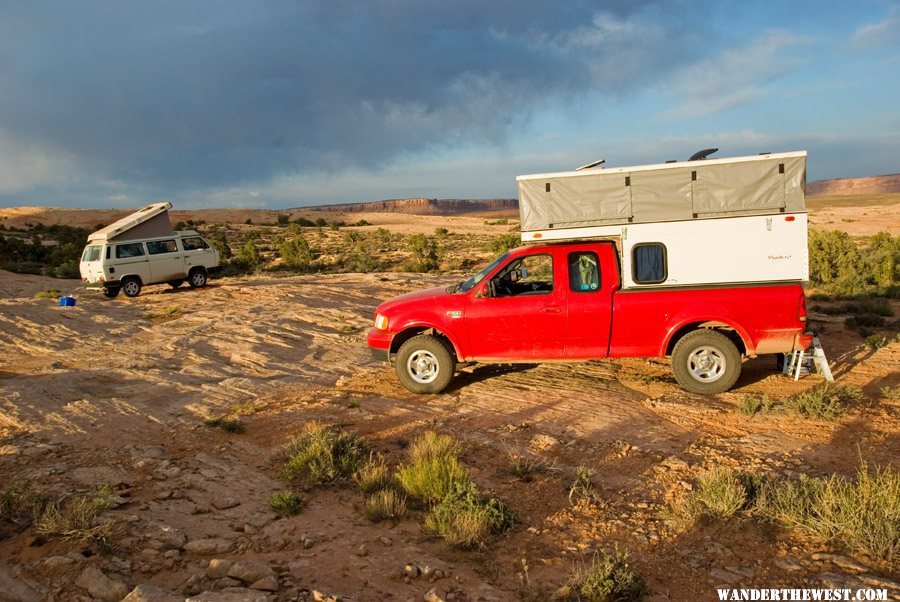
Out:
{"x": 150, "y": 222}
{"x": 755, "y": 185}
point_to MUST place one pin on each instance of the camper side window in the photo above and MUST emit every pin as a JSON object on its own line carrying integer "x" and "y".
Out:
{"x": 193, "y": 243}
{"x": 158, "y": 247}
{"x": 134, "y": 249}
{"x": 584, "y": 274}
{"x": 649, "y": 263}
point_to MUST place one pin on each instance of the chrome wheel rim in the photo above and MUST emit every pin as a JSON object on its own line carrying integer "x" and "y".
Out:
{"x": 422, "y": 366}
{"x": 198, "y": 279}
{"x": 706, "y": 364}
{"x": 131, "y": 288}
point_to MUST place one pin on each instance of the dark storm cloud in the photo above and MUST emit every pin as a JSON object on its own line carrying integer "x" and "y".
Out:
{"x": 199, "y": 94}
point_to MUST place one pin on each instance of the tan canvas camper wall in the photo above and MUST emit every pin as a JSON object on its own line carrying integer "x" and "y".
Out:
{"x": 150, "y": 222}
{"x": 715, "y": 221}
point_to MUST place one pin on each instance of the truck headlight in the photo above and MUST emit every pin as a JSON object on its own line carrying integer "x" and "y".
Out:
{"x": 381, "y": 322}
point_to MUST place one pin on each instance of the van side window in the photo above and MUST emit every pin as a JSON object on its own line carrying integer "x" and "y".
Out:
{"x": 649, "y": 263}
{"x": 134, "y": 249}
{"x": 158, "y": 247}
{"x": 584, "y": 272}
{"x": 193, "y": 243}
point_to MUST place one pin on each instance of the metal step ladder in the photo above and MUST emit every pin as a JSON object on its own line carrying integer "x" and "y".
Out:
{"x": 802, "y": 362}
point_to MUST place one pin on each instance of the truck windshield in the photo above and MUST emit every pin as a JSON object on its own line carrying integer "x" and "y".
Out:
{"x": 466, "y": 286}
{"x": 91, "y": 253}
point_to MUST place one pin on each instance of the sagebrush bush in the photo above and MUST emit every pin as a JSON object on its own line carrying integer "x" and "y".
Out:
{"x": 464, "y": 519}
{"x": 825, "y": 401}
{"x": 846, "y": 267}
{"x": 322, "y": 455}
{"x": 609, "y": 578}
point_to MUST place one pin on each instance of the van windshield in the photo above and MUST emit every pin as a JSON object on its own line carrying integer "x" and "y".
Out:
{"x": 91, "y": 253}
{"x": 466, "y": 286}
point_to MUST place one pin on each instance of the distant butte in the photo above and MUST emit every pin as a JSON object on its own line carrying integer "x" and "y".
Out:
{"x": 422, "y": 206}
{"x": 855, "y": 186}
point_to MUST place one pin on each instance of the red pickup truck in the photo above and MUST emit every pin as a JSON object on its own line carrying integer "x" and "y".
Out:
{"x": 564, "y": 302}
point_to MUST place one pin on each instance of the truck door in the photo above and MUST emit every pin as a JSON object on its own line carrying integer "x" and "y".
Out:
{"x": 592, "y": 276}
{"x": 522, "y": 316}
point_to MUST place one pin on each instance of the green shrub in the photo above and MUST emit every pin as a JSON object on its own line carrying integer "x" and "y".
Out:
{"x": 824, "y": 401}
{"x": 434, "y": 469}
{"x": 892, "y": 393}
{"x": 322, "y": 455}
{"x": 846, "y": 267}
{"x": 863, "y": 515}
{"x": 249, "y": 256}
{"x": 609, "y": 578}
{"x": 230, "y": 425}
{"x": 385, "y": 504}
{"x": 424, "y": 254}
{"x": 877, "y": 341}
{"x": 466, "y": 520}
{"x": 295, "y": 253}
{"x": 504, "y": 242}
{"x": 50, "y": 293}
{"x": 286, "y": 503}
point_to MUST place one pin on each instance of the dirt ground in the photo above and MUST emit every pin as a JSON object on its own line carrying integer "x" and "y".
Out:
{"x": 114, "y": 393}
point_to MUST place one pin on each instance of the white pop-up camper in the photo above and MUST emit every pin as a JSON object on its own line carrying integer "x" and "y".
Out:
{"x": 720, "y": 221}
{"x": 141, "y": 249}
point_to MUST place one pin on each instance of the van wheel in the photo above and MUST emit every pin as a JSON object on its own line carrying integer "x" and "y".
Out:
{"x": 175, "y": 283}
{"x": 131, "y": 286}
{"x": 425, "y": 364}
{"x": 706, "y": 362}
{"x": 197, "y": 278}
{"x": 111, "y": 292}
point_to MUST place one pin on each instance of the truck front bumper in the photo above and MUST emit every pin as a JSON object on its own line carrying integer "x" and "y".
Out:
{"x": 379, "y": 343}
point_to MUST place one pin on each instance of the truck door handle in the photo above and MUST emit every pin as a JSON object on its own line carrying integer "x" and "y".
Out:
{"x": 551, "y": 310}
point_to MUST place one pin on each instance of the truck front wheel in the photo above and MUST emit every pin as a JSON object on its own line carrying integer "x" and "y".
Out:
{"x": 706, "y": 362}
{"x": 424, "y": 364}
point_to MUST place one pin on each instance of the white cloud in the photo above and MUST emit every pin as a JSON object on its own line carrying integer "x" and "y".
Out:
{"x": 885, "y": 32}
{"x": 735, "y": 77}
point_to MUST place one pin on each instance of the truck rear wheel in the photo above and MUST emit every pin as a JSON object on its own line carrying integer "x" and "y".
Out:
{"x": 425, "y": 364}
{"x": 706, "y": 362}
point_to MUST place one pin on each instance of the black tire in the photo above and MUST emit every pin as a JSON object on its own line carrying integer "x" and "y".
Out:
{"x": 425, "y": 364}
{"x": 706, "y": 362}
{"x": 131, "y": 286}
{"x": 111, "y": 292}
{"x": 175, "y": 283}
{"x": 197, "y": 278}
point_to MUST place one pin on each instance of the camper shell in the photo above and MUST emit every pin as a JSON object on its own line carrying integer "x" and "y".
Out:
{"x": 141, "y": 249}
{"x": 703, "y": 222}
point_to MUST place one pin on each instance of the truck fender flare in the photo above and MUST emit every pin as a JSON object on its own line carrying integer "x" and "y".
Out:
{"x": 685, "y": 326}
{"x": 424, "y": 326}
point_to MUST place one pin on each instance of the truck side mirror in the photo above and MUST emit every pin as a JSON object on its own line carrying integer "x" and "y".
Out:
{"x": 485, "y": 290}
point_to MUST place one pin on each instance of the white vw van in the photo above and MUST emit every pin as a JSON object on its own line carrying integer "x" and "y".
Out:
{"x": 142, "y": 249}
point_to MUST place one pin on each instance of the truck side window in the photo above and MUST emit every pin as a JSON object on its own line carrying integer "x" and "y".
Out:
{"x": 157, "y": 247}
{"x": 530, "y": 275}
{"x": 649, "y": 263}
{"x": 134, "y": 249}
{"x": 584, "y": 272}
{"x": 193, "y": 243}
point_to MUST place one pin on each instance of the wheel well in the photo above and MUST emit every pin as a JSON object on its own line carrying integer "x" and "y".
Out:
{"x": 135, "y": 276}
{"x": 728, "y": 331}
{"x": 409, "y": 333}
{"x": 196, "y": 268}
